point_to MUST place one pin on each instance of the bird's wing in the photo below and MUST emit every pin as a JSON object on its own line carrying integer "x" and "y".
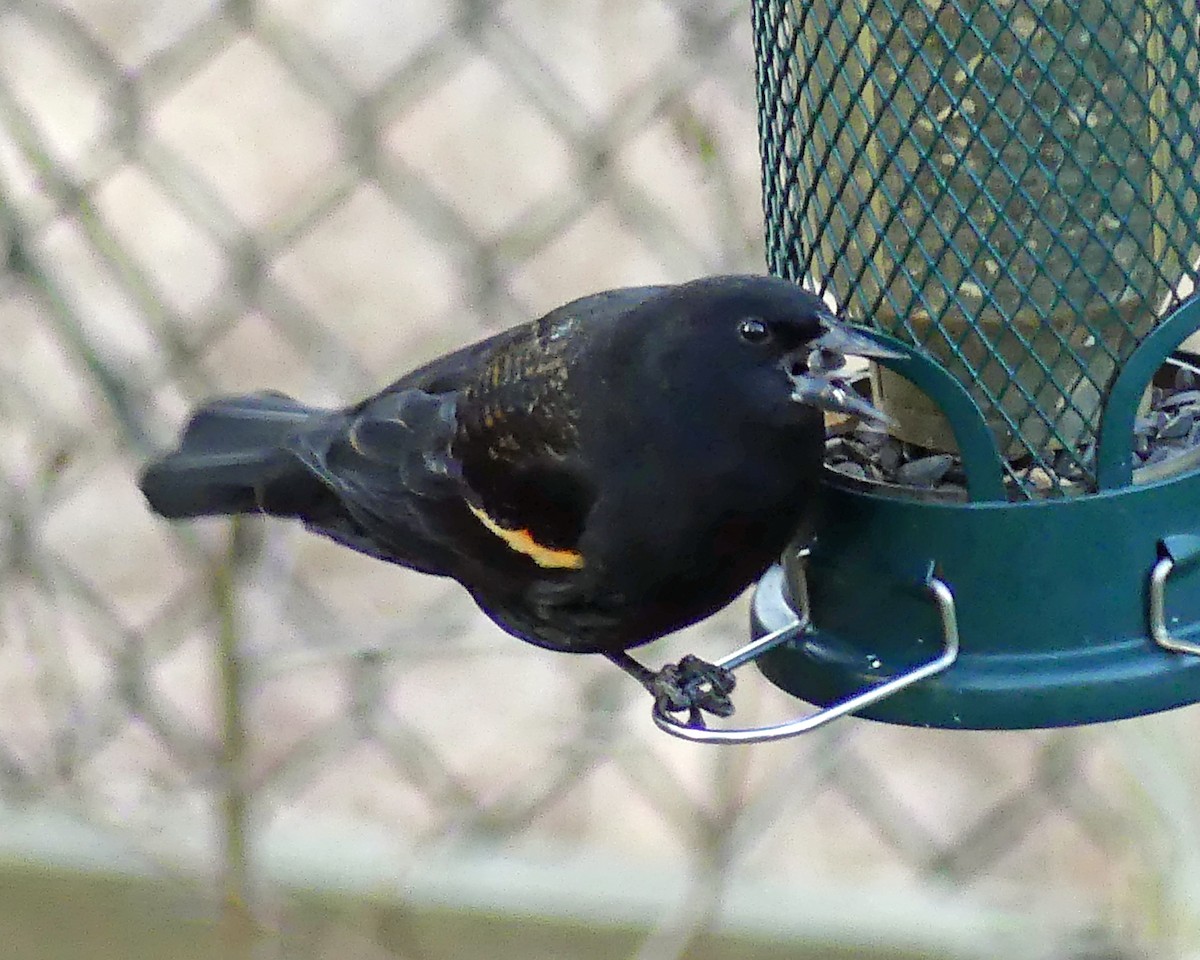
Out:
{"x": 516, "y": 447}
{"x": 518, "y": 440}
{"x": 394, "y": 447}
{"x": 389, "y": 465}
{"x": 469, "y": 466}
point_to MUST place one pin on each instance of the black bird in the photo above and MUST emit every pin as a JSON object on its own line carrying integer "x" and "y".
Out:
{"x": 619, "y": 469}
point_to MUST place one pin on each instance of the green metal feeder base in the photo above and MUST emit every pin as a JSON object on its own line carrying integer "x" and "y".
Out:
{"x": 1052, "y": 602}
{"x": 1069, "y": 611}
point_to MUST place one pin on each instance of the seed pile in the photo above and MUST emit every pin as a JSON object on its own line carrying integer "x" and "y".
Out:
{"x": 1166, "y": 433}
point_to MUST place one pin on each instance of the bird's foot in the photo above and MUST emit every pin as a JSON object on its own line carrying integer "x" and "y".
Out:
{"x": 691, "y": 685}
{"x": 696, "y": 686}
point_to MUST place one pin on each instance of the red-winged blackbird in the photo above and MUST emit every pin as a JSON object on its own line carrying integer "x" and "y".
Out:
{"x": 619, "y": 469}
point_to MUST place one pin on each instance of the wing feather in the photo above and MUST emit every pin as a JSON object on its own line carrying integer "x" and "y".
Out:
{"x": 389, "y": 465}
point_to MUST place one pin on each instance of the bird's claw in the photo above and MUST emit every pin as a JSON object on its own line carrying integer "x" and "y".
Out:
{"x": 696, "y": 686}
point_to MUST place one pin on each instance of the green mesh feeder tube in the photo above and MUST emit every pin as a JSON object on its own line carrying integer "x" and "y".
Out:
{"x": 1009, "y": 189}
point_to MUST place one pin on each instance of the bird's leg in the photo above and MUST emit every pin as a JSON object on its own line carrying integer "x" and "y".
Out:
{"x": 692, "y": 684}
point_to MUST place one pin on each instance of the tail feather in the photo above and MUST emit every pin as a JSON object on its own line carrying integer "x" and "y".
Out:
{"x": 233, "y": 458}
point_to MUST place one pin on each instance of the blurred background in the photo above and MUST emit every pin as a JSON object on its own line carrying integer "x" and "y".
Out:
{"x": 252, "y": 743}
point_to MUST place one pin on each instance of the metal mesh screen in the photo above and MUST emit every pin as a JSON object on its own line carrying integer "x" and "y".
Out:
{"x": 1010, "y": 184}
{"x": 200, "y": 198}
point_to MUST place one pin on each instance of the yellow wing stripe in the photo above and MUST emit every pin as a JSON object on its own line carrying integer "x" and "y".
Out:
{"x": 522, "y": 542}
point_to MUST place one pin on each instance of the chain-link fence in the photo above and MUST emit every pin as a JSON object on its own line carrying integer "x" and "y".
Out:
{"x": 199, "y": 198}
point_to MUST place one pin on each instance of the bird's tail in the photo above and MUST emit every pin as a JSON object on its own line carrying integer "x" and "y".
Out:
{"x": 233, "y": 458}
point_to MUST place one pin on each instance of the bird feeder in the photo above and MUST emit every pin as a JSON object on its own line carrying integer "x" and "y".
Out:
{"x": 1006, "y": 190}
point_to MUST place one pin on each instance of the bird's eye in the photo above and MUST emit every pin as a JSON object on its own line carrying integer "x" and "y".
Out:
{"x": 753, "y": 330}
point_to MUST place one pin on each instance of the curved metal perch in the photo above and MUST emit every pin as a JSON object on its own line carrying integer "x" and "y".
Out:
{"x": 944, "y": 598}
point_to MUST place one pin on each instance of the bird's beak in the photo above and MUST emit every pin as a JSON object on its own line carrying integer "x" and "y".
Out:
{"x": 831, "y": 393}
{"x": 814, "y": 383}
{"x": 841, "y": 339}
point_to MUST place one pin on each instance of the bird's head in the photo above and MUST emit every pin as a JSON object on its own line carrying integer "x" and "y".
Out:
{"x": 765, "y": 348}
